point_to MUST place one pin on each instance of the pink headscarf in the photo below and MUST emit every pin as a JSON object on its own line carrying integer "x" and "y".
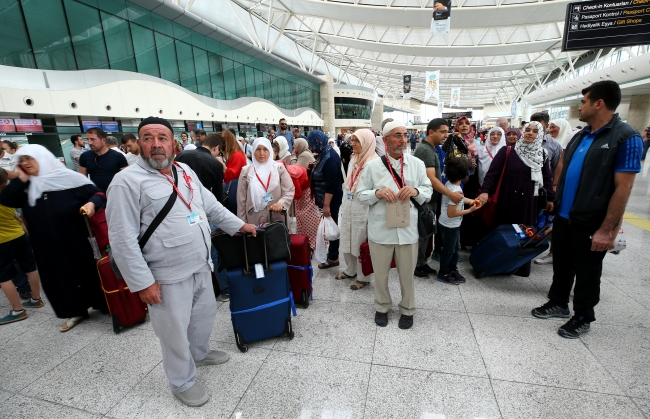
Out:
{"x": 468, "y": 138}
{"x": 357, "y": 161}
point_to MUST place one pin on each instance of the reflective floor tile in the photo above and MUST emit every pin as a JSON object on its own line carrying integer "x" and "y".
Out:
{"x": 12, "y": 330}
{"x": 292, "y": 386}
{"x": 104, "y": 371}
{"x": 625, "y": 352}
{"x": 518, "y": 400}
{"x": 501, "y": 295}
{"x": 616, "y": 307}
{"x": 404, "y": 393}
{"x": 226, "y": 383}
{"x": 332, "y": 329}
{"x": 639, "y": 293}
{"x": 21, "y": 407}
{"x": 223, "y": 332}
{"x": 439, "y": 341}
{"x": 644, "y": 405}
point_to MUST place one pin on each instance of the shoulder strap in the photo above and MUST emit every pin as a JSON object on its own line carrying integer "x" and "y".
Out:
{"x": 162, "y": 214}
{"x": 503, "y": 171}
{"x": 385, "y": 160}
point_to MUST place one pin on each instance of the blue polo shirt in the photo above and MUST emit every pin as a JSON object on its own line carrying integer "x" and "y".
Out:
{"x": 628, "y": 159}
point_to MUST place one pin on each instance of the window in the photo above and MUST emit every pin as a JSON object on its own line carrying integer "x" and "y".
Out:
{"x": 14, "y": 48}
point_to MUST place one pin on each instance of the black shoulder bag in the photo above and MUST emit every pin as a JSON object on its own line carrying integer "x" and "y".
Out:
{"x": 153, "y": 226}
{"x": 426, "y": 216}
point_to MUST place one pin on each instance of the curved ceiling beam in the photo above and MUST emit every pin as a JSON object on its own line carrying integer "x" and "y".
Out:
{"x": 438, "y": 51}
{"x": 448, "y": 69}
{"x": 462, "y": 17}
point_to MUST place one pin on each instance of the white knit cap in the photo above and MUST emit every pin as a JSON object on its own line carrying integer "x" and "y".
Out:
{"x": 391, "y": 126}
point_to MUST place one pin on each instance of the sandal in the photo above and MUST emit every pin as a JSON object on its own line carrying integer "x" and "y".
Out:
{"x": 71, "y": 323}
{"x": 358, "y": 285}
{"x": 343, "y": 275}
{"x": 329, "y": 264}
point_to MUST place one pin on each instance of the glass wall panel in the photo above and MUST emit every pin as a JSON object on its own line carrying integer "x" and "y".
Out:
{"x": 216, "y": 76}
{"x": 114, "y": 7}
{"x": 167, "y": 58}
{"x": 240, "y": 79}
{"x": 144, "y": 44}
{"x": 202, "y": 67}
{"x": 259, "y": 84}
{"x": 87, "y": 35}
{"x": 118, "y": 42}
{"x": 250, "y": 81}
{"x": 14, "y": 48}
{"x": 229, "y": 78}
{"x": 139, "y": 15}
{"x": 186, "y": 66}
{"x": 49, "y": 34}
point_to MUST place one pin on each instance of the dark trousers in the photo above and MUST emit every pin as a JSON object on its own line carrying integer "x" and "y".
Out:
{"x": 573, "y": 259}
{"x": 333, "y": 249}
{"x": 437, "y": 238}
{"x": 449, "y": 255}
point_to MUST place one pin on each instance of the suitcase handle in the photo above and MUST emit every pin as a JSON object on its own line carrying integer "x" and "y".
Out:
{"x": 266, "y": 256}
{"x": 539, "y": 231}
{"x": 286, "y": 217}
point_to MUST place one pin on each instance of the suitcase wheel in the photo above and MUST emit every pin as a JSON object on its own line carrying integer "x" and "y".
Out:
{"x": 288, "y": 331}
{"x": 116, "y": 324}
{"x": 305, "y": 299}
{"x": 240, "y": 342}
{"x": 479, "y": 274}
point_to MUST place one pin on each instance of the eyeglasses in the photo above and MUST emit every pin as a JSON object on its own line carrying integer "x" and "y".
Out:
{"x": 400, "y": 135}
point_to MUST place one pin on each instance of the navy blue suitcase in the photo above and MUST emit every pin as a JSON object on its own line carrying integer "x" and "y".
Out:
{"x": 260, "y": 308}
{"x": 503, "y": 251}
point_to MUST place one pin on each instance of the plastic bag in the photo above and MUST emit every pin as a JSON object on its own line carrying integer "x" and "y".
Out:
{"x": 331, "y": 230}
{"x": 620, "y": 243}
{"x": 321, "y": 247}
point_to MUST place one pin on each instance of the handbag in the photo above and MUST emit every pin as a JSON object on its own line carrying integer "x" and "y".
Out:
{"x": 426, "y": 216}
{"x": 366, "y": 261}
{"x": 231, "y": 248}
{"x": 152, "y": 227}
{"x": 542, "y": 198}
{"x": 487, "y": 213}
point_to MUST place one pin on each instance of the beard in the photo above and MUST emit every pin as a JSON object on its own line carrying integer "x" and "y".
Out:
{"x": 158, "y": 164}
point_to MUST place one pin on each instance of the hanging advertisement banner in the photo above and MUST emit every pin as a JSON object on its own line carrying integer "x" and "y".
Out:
{"x": 441, "y": 20}
{"x": 441, "y": 107}
{"x": 432, "y": 85}
{"x": 407, "y": 86}
{"x": 455, "y": 96}
{"x": 513, "y": 110}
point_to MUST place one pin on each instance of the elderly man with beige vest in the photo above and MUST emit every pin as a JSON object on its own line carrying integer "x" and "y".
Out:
{"x": 385, "y": 184}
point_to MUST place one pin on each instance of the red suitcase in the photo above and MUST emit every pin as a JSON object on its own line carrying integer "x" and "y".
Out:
{"x": 300, "y": 270}
{"x": 126, "y": 308}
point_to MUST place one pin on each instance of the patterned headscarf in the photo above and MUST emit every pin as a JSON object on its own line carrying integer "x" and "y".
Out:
{"x": 468, "y": 138}
{"x": 533, "y": 154}
{"x": 317, "y": 141}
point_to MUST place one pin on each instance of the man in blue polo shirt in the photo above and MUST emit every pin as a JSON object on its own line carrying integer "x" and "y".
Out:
{"x": 597, "y": 171}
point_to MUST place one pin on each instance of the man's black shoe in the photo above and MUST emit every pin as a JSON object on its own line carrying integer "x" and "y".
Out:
{"x": 551, "y": 309}
{"x": 461, "y": 279}
{"x": 381, "y": 319}
{"x": 428, "y": 269}
{"x": 25, "y": 293}
{"x": 574, "y": 328}
{"x": 405, "y": 322}
{"x": 421, "y": 273}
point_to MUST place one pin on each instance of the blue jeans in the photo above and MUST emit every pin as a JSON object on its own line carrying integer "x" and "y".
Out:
{"x": 450, "y": 248}
{"x": 222, "y": 277}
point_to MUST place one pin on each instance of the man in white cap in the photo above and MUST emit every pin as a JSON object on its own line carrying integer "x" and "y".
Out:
{"x": 395, "y": 177}
{"x": 171, "y": 271}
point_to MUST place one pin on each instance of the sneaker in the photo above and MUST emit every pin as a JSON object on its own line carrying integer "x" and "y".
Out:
{"x": 551, "y": 309}
{"x": 546, "y": 260}
{"x": 224, "y": 296}
{"x": 461, "y": 279}
{"x": 428, "y": 269}
{"x": 34, "y": 303}
{"x": 214, "y": 357}
{"x": 194, "y": 396}
{"x": 435, "y": 256}
{"x": 448, "y": 279}
{"x": 13, "y": 317}
{"x": 381, "y": 319}
{"x": 574, "y": 328}
{"x": 25, "y": 293}
{"x": 405, "y": 322}
{"x": 420, "y": 273}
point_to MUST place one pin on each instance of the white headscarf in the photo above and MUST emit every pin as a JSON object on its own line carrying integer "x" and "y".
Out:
{"x": 52, "y": 174}
{"x": 332, "y": 143}
{"x": 262, "y": 170}
{"x": 565, "y": 131}
{"x": 486, "y": 153}
{"x": 533, "y": 155}
{"x": 284, "y": 147}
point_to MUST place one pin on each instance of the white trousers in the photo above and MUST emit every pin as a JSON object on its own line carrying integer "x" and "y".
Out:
{"x": 353, "y": 267}
{"x": 183, "y": 323}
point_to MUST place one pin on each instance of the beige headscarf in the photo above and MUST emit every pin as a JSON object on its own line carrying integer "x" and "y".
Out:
{"x": 358, "y": 161}
{"x": 300, "y": 145}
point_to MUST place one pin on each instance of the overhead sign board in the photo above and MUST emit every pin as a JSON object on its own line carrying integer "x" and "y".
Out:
{"x": 456, "y": 115}
{"x": 7, "y": 125}
{"x": 29, "y": 125}
{"x": 601, "y": 24}
{"x": 110, "y": 126}
{"x": 86, "y": 125}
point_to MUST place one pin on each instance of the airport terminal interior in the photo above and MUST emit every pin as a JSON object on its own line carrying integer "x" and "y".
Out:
{"x": 333, "y": 68}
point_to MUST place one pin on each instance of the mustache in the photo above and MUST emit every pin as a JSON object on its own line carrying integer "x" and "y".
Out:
{"x": 158, "y": 151}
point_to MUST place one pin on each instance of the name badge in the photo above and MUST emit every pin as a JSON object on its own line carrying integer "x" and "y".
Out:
{"x": 350, "y": 196}
{"x": 195, "y": 218}
{"x": 268, "y": 198}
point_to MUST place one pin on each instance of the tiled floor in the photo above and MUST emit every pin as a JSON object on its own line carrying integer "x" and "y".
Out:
{"x": 474, "y": 352}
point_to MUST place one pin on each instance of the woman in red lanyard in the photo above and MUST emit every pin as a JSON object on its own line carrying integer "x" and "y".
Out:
{"x": 353, "y": 219}
{"x": 264, "y": 186}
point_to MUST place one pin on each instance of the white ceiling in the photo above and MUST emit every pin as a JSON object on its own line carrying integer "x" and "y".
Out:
{"x": 497, "y": 49}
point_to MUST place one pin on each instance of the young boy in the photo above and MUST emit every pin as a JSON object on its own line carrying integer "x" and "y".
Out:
{"x": 15, "y": 245}
{"x": 451, "y": 215}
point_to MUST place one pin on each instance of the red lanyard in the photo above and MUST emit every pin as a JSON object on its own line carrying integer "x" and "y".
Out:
{"x": 268, "y": 182}
{"x": 488, "y": 150}
{"x": 353, "y": 178}
{"x": 390, "y": 169}
{"x": 188, "y": 180}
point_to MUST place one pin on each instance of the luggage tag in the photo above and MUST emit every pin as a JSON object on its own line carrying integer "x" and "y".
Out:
{"x": 350, "y": 195}
{"x": 259, "y": 270}
{"x": 268, "y": 198}
{"x": 195, "y": 218}
{"x": 519, "y": 232}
